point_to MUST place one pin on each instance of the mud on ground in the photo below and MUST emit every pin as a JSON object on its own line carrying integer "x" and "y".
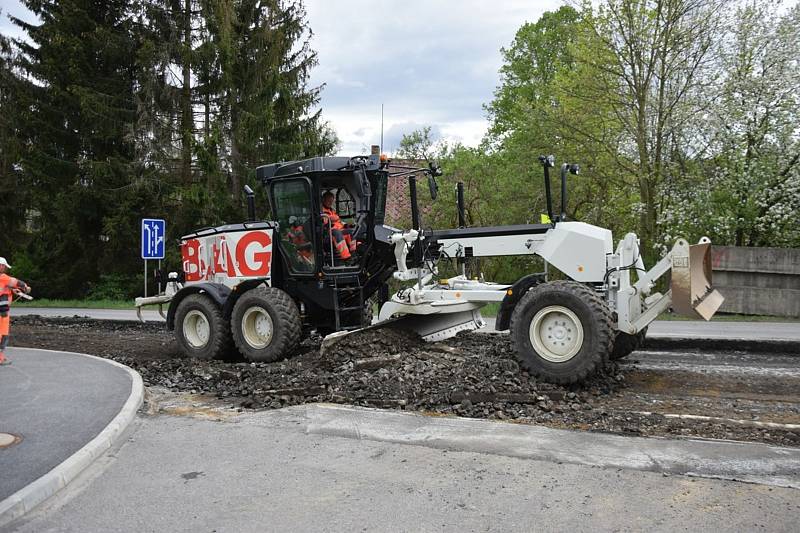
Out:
{"x": 734, "y": 396}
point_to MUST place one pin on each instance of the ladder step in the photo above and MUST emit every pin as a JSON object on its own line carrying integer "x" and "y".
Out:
{"x": 347, "y": 293}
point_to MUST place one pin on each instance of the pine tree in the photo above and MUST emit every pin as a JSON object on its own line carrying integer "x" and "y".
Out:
{"x": 12, "y": 216}
{"x": 159, "y": 108}
{"x": 264, "y": 99}
{"x": 79, "y": 116}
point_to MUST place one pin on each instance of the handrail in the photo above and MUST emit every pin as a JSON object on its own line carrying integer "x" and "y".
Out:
{"x": 330, "y": 237}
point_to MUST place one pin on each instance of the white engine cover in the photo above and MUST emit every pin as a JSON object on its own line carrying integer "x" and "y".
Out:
{"x": 578, "y": 250}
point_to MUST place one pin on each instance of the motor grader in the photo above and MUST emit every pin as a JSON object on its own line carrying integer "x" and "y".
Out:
{"x": 258, "y": 286}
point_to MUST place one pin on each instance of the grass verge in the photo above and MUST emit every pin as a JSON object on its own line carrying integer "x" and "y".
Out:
{"x": 78, "y": 304}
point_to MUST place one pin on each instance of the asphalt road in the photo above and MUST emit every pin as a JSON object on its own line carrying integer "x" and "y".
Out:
{"x": 265, "y": 472}
{"x": 57, "y": 402}
{"x": 666, "y": 328}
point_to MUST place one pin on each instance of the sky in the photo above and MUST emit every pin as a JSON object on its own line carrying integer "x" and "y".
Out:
{"x": 429, "y": 62}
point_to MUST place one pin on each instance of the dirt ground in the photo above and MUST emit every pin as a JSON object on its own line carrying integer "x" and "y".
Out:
{"x": 722, "y": 395}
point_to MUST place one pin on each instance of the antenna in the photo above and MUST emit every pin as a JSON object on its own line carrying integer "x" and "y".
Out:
{"x": 381, "y": 128}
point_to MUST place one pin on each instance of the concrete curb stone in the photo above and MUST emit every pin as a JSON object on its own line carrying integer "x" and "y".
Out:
{"x": 707, "y": 458}
{"x": 25, "y": 499}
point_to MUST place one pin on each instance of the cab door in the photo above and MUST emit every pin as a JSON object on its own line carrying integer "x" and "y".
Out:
{"x": 294, "y": 212}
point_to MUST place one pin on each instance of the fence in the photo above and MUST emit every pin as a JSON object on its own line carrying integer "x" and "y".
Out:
{"x": 758, "y": 281}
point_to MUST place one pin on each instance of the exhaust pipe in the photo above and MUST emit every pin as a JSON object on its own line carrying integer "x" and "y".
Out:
{"x": 692, "y": 292}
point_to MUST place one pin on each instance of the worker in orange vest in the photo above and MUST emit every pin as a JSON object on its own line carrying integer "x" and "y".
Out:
{"x": 7, "y": 287}
{"x": 297, "y": 236}
{"x": 342, "y": 240}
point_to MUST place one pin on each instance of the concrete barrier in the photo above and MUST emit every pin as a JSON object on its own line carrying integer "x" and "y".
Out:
{"x": 758, "y": 281}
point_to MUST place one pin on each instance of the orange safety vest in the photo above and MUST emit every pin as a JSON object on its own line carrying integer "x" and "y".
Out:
{"x": 336, "y": 222}
{"x": 7, "y": 286}
{"x": 296, "y": 235}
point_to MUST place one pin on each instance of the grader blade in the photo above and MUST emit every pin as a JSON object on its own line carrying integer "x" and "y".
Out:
{"x": 431, "y": 327}
{"x": 692, "y": 292}
{"x": 439, "y": 326}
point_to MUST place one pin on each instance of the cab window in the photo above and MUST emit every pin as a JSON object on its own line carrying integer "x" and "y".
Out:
{"x": 292, "y": 200}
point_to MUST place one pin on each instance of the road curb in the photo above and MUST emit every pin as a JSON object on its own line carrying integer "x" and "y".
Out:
{"x": 772, "y": 346}
{"x": 730, "y": 460}
{"x": 27, "y": 498}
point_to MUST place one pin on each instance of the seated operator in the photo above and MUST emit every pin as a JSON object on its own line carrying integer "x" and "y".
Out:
{"x": 342, "y": 238}
{"x": 297, "y": 236}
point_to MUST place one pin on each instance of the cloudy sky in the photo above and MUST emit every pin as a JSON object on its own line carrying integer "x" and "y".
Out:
{"x": 429, "y": 62}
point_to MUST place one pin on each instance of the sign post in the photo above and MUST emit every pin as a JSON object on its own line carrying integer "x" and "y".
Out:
{"x": 153, "y": 230}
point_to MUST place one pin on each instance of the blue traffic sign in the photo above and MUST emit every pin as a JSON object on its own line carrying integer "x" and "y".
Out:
{"x": 153, "y": 238}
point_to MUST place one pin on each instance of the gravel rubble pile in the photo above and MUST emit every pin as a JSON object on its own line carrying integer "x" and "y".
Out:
{"x": 471, "y": 375}
{"x": 386, "y": 368}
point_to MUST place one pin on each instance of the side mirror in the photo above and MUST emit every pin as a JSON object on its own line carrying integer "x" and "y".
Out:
{"x": 251, "y": 203}
{"x": 433, "y": 186}
{"x": 434, "y": 170}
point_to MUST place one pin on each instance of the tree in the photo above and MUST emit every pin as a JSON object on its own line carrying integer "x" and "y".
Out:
{"x": 534, "y": 112}
{"x": 77, "y": 97}
{"x": 647, "y": 60}
{"x": 15, "y": 193}
{"x": 757, "y": 172}
{"x": 524, "y": 99}
{"x": 265, "y": 104}
{"x": 418, "y": 145}
{"x": 130, "y": 108}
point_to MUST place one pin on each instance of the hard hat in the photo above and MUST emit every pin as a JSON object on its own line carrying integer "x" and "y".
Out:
{"x": 4, "y": 263}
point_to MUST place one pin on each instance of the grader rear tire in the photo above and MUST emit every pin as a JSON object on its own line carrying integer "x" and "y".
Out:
{"x": 562, "y": 331}
{"x": 626, "y": 344}
{"x": 266, "y": 324}
{"x": 200, "y": 330}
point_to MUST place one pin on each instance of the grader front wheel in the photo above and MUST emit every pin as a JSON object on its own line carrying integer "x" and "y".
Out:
{"x": 562, "y": 331}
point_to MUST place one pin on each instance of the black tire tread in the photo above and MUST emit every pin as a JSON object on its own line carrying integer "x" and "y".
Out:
{"x": 288, "y": 327}
{"x": 220, "y": 338}
{"x": 599, "y": 355}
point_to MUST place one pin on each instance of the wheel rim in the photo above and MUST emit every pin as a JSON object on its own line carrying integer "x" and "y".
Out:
{"x": 196, "y": 329}
{"x": 556, "y": 333}
{"x": 257, "y": 327}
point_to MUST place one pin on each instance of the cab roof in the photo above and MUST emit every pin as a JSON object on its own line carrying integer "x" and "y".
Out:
{"x": 316, "y": 167}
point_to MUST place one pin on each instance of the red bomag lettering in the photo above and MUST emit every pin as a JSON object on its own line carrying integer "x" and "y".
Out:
{"x": 213, "y": 257}
{"x": 223, "y": 263}
{"x": 192, "y": 264}
{"x": 260, "y": 259}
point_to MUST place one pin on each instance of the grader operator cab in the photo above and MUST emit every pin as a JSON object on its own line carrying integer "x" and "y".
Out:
{"x": 255, "y": 287}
